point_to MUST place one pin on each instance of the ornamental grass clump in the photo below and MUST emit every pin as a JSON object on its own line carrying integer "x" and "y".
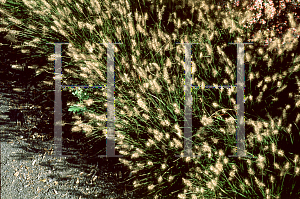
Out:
{"x": 149, "y": 92}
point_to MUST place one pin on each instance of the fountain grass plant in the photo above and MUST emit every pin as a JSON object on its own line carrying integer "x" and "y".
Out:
{"x": 149, "y": 94}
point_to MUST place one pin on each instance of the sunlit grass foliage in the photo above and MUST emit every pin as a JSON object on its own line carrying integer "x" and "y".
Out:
{"x": 149, "y": 94}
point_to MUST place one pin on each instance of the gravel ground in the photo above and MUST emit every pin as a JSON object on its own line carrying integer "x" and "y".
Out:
{"x": 27, "y": 173}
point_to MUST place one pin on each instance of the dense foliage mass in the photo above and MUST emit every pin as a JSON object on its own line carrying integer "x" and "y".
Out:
{"x": 149, "y": 87}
